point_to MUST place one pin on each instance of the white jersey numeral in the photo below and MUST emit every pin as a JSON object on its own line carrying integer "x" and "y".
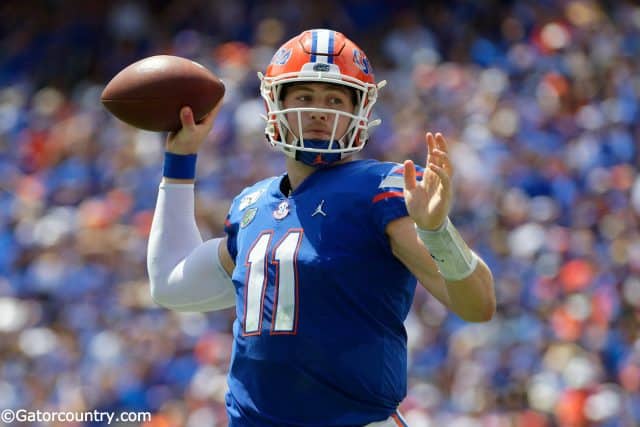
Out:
{"x": 256, "y": 283}
{"x": 285, "y": 301}
{"x": 285, "y": 307}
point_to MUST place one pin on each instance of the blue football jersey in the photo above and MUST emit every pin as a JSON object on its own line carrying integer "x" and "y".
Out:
{"x": 321, "y": 300}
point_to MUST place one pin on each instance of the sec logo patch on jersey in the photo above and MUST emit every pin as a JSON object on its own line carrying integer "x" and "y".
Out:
{"x": 282, "y": 210}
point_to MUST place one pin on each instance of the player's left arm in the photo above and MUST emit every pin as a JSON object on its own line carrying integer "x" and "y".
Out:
{"x": 428, "y": 244}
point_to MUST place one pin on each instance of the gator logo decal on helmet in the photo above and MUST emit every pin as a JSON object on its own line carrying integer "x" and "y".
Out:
{"x": 281, "y": 57}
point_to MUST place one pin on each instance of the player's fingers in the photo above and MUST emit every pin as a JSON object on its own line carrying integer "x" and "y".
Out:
{"x": 409, "y": 175}
{"x": 440, "y": 142}
{"x": 441, "y": 159}
{"x": 186, "y": 118}
{"x": 431, "y": 145}
{"x": 217, "y": 108}
{"x": 211, "y": 116}
{"x": 442, "y": 174}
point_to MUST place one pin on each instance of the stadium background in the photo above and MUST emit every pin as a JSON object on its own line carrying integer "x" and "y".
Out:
{"x": 539, "y": 100}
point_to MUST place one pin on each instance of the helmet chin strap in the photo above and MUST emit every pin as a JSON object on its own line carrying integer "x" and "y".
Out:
{"x": 318, "y": 160}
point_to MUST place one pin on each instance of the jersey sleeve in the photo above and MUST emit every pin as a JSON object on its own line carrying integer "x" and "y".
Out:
{"x": 387, "y": 202}
{"x": 231, "y": 225}
{"x": 238, "y": 213}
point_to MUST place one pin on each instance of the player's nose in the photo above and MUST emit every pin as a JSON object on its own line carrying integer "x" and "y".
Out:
{"x": 318, "y": 115}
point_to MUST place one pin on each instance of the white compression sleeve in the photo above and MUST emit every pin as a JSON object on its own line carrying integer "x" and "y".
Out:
{"x": 185, "y": 274}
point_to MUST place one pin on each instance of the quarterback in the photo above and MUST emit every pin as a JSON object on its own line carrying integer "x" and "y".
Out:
{"x": 321, "y": 262}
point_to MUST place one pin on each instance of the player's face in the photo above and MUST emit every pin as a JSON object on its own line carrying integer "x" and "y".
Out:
{"x": 318, "y": 124}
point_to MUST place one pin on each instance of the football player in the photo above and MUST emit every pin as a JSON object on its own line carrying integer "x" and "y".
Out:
{"x": 320, "y": 262}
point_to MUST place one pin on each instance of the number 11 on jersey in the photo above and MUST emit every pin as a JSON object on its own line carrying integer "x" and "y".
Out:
{"x": 283, "y": 256}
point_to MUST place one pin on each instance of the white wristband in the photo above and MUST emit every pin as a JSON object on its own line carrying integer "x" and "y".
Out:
{"x": 452, "y": 255}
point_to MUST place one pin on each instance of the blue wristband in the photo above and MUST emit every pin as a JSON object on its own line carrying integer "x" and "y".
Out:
{"x": 179, "y": 166}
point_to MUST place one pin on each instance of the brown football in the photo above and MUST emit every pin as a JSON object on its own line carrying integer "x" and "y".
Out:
{"x": 149, "y": 94}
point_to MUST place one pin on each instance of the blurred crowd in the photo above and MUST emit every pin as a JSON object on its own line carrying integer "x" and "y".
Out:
{"x": 539, "y": 100}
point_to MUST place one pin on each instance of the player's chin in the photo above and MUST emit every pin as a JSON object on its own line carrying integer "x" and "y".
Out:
{"x": 324, "y": 136}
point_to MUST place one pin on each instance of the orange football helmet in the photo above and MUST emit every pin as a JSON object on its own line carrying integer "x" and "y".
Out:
{"x": 319, "y": 56}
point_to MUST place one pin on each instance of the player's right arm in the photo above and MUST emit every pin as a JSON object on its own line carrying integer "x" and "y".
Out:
{"x": 185, "y": 273}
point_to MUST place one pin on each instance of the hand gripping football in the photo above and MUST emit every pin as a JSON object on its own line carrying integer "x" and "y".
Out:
{"x": 149, "y": 94}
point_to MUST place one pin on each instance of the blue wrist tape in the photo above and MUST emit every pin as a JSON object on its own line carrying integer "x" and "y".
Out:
{"x": 179, "y": 166}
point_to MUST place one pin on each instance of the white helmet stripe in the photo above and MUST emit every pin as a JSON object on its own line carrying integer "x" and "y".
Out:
{"x": 322, "y": 46}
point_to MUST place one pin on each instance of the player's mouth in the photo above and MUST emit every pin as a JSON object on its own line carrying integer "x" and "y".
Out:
{"x": 317, "y": 134}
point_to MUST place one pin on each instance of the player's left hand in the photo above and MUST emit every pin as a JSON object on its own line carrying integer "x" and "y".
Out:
{"x": 428, "y": 201}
